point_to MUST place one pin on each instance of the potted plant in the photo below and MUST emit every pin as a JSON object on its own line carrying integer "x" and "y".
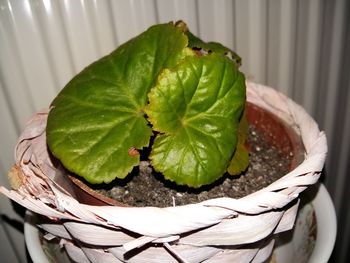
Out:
{"x": 179, "y": 102}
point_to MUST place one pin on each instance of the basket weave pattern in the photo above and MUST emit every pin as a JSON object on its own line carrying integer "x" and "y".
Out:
{"x": 217, "y": 230}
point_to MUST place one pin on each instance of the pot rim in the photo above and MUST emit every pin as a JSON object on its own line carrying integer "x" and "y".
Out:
{"x": 87, "y": 195}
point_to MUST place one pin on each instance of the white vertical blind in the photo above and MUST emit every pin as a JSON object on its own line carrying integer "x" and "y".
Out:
{"x": 170, "y": 10}
{"x": 298, "y": 47}
{"x": 286, "y": 30}
{"x": 333, "y": 92}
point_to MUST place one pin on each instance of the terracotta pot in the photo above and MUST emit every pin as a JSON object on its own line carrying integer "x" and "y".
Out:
{"x": 275, "y": 131}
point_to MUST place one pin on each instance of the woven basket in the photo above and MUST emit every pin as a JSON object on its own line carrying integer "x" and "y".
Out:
{"x": 217, "y": 230}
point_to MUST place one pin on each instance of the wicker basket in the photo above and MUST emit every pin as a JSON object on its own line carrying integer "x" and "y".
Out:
{"x": 217, "y": 230}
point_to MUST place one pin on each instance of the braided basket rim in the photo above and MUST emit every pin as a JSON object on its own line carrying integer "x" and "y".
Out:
{"x": 215, "y": 222}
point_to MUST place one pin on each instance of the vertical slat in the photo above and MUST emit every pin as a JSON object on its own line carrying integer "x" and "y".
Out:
{"x": 242, "y": 17}
{"x": 80, "y": 39}
{"x": 338, "y": 172}
{"x": 251, "y": 28}
{"x": 298, "y": 48}
{"x": 341, "y": 121}
{"x": 330, "y": 100}
{"x": 312, "y": 55}
{"x": 330, "y": 89}
{"x": 145, "y": 13}
{"x": 286, "y": 44}
{"x": 27, "y": 34}
{"x": 8, "y": 133}
{"x": 307, "y": 50}
{"x": 54, "y": 38}
{"x": 132, "y": 17}
{"x": 206, "y": 26}
{"x": 122, "y": 12}
{"x": 257, "y": 40}
{"x": 49, "y": 23}
{"x": 13, "y": 78}
{"x": 173, "y": 10}
{"x": 273, "y": 45}
{"x": 100, "y": 21}
{"x": 220, "y": 27}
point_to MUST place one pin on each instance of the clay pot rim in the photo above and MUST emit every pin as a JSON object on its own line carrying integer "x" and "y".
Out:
{"x": 85, "y": 194}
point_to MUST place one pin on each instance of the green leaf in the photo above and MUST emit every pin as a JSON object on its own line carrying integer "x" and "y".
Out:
{"x": 240, "y": 160}
{"x": 196, "y": 107}
{"x": 195, "y": 42}
{"x": 99, "y": 116}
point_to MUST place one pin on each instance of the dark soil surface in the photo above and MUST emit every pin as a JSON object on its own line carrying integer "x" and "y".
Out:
{"x": 147, "y": 188}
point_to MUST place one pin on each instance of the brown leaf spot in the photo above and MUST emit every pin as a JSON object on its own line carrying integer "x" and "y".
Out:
{"x": 133, "y": 152}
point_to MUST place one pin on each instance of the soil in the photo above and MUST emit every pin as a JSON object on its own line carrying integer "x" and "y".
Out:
{"x": 145, "y": 187}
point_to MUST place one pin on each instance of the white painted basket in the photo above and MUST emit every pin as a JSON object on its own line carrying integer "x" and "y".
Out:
{"x": 217, "y": 230}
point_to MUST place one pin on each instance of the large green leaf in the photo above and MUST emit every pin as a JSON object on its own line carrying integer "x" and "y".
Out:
{"x": 196, "y": 107}
{"x": 98, "y": 116}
